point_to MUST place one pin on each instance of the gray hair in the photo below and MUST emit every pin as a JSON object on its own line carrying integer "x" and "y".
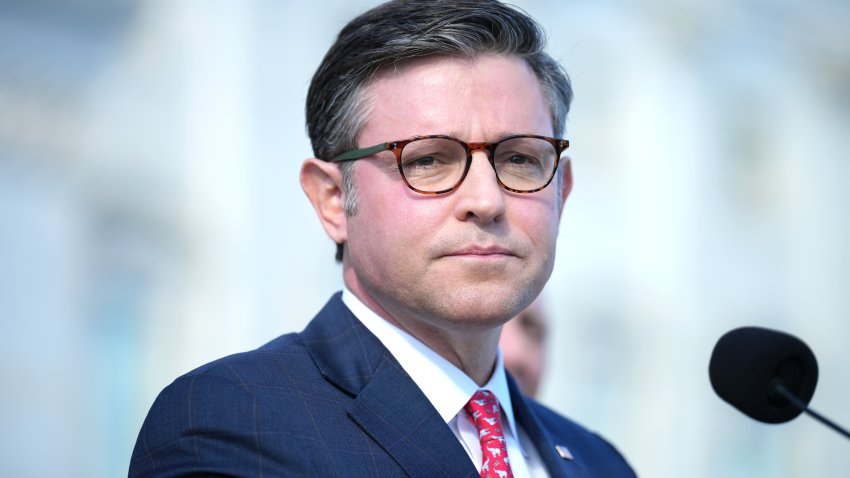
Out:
{"x": 401, "y": 30}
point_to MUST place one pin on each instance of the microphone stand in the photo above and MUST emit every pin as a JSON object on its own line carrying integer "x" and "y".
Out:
{"x": 780, "y": 388}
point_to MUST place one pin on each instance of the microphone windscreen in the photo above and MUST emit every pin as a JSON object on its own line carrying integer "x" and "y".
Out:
{"x": 746, "y": 365}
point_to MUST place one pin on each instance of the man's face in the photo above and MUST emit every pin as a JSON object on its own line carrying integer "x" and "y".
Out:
{"x": 470, "y": 258}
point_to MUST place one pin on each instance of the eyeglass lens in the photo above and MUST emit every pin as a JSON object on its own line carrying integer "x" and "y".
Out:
{"x": 437, "y": 164}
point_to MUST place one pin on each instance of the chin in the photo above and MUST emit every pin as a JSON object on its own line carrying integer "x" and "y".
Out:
{"x": 482, "y": 308}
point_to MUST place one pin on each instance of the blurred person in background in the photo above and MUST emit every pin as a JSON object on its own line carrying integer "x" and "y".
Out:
{"x": 439, "y": 173}
{"x": 523, "y": 344}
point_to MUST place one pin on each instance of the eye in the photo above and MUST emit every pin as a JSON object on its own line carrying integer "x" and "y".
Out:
{"x": 520, "y": 160}
{"x": 421, "y": 162}
{"x": 425, "y": 161}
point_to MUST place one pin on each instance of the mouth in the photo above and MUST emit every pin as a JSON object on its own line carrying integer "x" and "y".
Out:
{"x": 481, "y": 252}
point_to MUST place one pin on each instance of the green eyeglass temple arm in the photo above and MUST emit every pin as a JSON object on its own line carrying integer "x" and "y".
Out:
{"x": 359, "y": 153}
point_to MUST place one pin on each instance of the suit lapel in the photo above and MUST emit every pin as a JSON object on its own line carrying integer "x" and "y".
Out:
{"x": 386, "y": 404}
{"x": 397, "y": 415}
{"x": 542, "y": 440}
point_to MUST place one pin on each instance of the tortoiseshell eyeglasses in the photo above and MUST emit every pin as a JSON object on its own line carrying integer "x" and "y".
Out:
{"x": 438, "y": 164}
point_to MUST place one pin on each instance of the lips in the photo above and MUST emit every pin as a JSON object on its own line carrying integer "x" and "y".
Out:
{"x": 482, "y": 251}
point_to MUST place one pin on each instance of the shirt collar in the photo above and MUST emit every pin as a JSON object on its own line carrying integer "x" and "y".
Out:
{"x": 447, "y": 387}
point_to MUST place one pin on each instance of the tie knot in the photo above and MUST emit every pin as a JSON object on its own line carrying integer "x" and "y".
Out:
{"x": 484, "y": 410}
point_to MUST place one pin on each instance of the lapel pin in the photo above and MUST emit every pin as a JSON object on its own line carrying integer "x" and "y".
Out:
{"x": 564, "y": 452}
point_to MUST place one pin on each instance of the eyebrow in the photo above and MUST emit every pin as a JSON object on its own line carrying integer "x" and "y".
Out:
{"x": 499, "y": 136}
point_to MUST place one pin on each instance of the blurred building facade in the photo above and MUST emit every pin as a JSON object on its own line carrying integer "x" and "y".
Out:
{"x": 151, "y": 218}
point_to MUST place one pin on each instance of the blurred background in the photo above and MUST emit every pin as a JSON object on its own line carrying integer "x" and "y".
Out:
{"x": 151, "y": 218}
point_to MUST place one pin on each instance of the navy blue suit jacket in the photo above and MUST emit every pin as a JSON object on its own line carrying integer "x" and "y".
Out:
{"x": 331, "y": 401}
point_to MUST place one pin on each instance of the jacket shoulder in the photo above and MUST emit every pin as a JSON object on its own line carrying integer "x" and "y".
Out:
{"x": 210, "y": 419}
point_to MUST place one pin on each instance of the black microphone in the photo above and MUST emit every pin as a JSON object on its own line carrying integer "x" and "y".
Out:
{"x": 768, "y": 375}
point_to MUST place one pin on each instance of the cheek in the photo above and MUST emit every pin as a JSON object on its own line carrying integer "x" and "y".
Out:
{"x": 394, "y": 224}
{"x": 541, "y": 222}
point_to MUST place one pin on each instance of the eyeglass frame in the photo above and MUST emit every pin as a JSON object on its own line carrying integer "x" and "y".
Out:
{"x": 396, "y": 148}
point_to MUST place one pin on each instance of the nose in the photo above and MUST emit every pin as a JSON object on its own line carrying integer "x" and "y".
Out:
{"x": 480, "y": 197}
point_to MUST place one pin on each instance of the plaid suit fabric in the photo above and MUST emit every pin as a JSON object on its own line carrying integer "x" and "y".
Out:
{"x": 329, "y": 401}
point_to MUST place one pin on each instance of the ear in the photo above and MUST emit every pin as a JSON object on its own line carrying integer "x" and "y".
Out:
{"x": 322, "y": 182}
{"x": 566, "y": 181}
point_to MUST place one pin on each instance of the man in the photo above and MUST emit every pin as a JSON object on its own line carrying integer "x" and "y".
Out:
{"x": 438, "y": 176}
{"x": 523, "y": 346}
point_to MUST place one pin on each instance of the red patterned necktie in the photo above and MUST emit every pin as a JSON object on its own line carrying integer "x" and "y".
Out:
{"x": 483, "y": 408}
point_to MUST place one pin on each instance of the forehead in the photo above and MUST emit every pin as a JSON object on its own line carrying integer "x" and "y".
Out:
{"x": 475, "y": 99}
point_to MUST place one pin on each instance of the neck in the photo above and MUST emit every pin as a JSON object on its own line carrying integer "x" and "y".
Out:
{"x": 472, "y": 352}
{"x": 471, "y": 349}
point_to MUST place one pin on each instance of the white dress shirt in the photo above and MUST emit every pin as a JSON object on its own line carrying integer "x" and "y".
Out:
{"x": 448, "y": 389}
